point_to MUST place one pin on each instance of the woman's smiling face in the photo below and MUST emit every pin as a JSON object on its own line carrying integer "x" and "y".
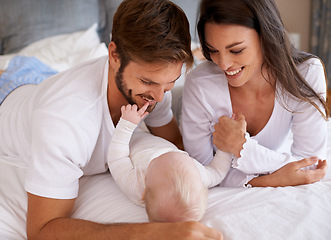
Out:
{"x": 236, "y": 50}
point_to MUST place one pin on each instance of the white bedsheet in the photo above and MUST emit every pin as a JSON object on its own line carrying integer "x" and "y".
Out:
{"x": 295, "y": 213}
{"x": 302, "y": 212}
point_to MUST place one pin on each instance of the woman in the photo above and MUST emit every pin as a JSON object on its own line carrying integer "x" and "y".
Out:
{"x": 254, "y": 71}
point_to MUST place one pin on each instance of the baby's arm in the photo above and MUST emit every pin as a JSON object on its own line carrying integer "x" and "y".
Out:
{"x": 214, "y": 173}
{"x": 126, "y": 176}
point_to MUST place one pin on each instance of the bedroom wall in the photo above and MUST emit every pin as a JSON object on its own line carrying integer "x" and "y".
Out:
{"x": 190, "y": 8}
{"x": 296, "y": 16}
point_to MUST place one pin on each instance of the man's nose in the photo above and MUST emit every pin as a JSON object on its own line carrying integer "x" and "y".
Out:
{"x": 158, "y": 93}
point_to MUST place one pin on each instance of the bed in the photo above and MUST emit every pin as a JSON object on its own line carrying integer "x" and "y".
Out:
{"x": 301, "y": 212}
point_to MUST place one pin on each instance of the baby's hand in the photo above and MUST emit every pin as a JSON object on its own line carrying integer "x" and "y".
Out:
{"x": 132, "y": 114}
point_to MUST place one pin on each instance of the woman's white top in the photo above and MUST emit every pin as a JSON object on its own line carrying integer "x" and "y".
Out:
{"x": 206, "y": 97}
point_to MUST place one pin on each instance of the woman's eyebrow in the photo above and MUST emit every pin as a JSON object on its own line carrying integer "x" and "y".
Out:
{"x": 228, "y": 46}
{"x": 233, "y": 44}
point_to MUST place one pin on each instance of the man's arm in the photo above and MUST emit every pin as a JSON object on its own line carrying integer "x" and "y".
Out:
{"x": 50, "y": 219}
{"x": 169, "y": 132}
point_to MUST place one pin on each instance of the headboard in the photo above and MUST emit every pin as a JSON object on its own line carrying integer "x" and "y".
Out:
{"x": 23, "y": 22}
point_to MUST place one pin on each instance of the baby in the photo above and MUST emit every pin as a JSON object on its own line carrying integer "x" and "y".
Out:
{"x": 153, "y": 172}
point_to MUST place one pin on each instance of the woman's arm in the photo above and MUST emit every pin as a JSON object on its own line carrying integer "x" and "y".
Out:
{"x": 198, "y": 117}
{"x": 292, "y": 174}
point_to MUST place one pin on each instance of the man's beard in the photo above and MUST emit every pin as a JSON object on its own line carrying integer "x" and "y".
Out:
{"x": 126, "y": 92}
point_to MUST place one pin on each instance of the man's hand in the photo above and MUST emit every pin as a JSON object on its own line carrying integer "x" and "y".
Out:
{"x": 229, "y": 135}
{"x": 183, "y": 231}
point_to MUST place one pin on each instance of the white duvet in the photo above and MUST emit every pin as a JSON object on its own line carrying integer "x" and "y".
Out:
{"x": 302, "y": 212}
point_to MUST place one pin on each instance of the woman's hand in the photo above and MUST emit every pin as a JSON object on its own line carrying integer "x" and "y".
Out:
{"x": 229, "y": 135}
{"x": 292, "y": 174}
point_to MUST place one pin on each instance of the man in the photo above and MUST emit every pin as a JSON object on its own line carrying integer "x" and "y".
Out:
{"x": 61, "y": 128}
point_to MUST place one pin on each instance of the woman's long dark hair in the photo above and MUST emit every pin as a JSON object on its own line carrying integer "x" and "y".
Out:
{"x": 280, "y": 56}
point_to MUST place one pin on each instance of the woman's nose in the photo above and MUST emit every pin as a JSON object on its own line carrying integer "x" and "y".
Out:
{"x": 224, "y": 61}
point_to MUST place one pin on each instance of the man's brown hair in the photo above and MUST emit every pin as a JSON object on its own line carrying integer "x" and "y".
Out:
{"x": 151, "y": 31}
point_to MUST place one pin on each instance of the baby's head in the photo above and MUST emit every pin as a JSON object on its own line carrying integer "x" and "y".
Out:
{"x": 174, "y": 190}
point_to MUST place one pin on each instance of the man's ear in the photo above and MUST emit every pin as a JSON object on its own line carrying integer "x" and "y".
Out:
{"x": 114, "y": 59}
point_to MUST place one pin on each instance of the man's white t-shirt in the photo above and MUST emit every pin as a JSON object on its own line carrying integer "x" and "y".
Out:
{"x": 60, "y": 129}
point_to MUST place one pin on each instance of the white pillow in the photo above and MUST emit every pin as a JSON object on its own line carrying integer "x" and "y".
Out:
{"x": 63, "y": 51}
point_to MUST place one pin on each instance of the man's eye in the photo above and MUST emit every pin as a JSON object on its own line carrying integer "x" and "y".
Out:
{"x": 145, "y": 83}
